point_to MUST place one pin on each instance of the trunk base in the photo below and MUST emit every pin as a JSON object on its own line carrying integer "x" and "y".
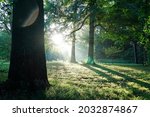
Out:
{"x": 10, "y": 92}
{"x": 73, "y": 61}
{"x": 90, "y": 61}
{"x": 28, "y": 86}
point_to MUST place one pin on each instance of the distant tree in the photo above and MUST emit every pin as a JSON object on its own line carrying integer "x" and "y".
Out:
{"x": 73, "y": 53}
{"x": 5, "y": 28}
{"x": 75, "y": 11}
{"x": 126, "y": 19}
{"x": 27, "y": 62}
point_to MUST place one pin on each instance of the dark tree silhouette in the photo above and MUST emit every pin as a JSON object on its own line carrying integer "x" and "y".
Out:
{"x": 135, "y": 52}
{"x": 27, "y": 62}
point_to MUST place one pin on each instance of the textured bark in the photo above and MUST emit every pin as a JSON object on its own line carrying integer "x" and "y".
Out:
{"x": 91, "y": 35}
{"x": 28, "y": 63}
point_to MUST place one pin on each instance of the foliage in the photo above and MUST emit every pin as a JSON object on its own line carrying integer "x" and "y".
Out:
{"x": 4, "y": 45}
{"x": 6, "y": 15}
{"x": 125, "y": 21}
{"x": 147, "y": 27}
{"x": 112, "y": 52}
{"x": 119, "y": 24}
{"x": 4, "y": 66}
{"x": 1, "y": 0}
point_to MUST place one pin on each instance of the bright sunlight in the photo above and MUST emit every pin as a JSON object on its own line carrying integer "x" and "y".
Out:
{"x": 61, "y": 45}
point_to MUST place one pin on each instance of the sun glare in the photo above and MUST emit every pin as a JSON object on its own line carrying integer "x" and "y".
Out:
{"x": 58, "y": 39}
{"x": 61, "y": 45}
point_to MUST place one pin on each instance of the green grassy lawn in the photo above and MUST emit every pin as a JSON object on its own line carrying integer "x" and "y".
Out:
{"x": 101, "y": 81}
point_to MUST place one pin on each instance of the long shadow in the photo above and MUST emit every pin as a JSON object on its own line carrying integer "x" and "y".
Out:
{"x": 136, "y": 91}
{"x": 144, "y": 84}
{"x": 108, "y": 77}
{"x": 136, "y": 66}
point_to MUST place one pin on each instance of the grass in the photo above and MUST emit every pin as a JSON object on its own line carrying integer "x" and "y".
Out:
{"x": 100, "y": 82}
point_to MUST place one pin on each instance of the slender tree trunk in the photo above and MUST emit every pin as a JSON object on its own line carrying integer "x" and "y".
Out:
{"x": 145, "y": 58}
{"x": 73, "y": 51}
{"x": 73, "y": 56}
{"x": 135, "y": 52}
{"x": 91, "y": 36}
{"x": 28, "y": 63}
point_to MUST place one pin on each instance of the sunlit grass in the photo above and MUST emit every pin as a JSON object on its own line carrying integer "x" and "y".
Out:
{"x": 104, "y": 81}
{"x": 101, "y": 81}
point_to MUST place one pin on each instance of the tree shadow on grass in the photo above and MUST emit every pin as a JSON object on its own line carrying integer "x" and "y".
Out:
{"x": 140, "y": 67}
{"x": 128, "y": 78}
{"x": 135, "y": 91}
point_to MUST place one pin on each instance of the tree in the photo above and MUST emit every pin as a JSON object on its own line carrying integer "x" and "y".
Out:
{"x": 91, "y": 32}
{"x": 27, "y": 62}
{"x": 73, "y": 54}
{"x": 5, "y": 29}
{"x": 75, "y": 12}
{"x": 78, "y": 14}
{"x": 95, "y": 13}
{"x": 126, "y": 20}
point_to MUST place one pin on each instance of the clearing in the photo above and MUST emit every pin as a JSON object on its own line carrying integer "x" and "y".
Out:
{"x": 101, "y": 81}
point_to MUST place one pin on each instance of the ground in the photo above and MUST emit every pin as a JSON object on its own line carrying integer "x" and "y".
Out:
{"x": 100, "y": 81}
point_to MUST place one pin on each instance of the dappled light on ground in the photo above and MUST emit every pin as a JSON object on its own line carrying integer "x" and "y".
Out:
{"x": 82, "y": 81}
{"x": 77, "y": 81}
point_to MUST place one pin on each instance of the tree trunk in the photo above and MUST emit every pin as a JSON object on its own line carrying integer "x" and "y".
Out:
{"x": 91, "y": 36}
{"x": 73, "y": 57}
{"x": 27, "y": 62}
{"x": 145, "y": 58}
{"x": 135, "y": 52}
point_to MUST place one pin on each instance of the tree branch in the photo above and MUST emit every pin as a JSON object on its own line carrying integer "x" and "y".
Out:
{"x": 81, "y": 24}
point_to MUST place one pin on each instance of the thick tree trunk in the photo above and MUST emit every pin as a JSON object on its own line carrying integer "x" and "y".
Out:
{"x": 73, "y": 56}
{"x": 91, "y": 36}
{"x": 28, "y": 63}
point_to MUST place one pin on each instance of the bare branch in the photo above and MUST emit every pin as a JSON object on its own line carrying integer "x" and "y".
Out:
{"x": 81, "y": 24}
